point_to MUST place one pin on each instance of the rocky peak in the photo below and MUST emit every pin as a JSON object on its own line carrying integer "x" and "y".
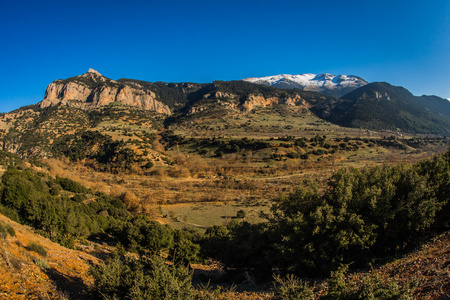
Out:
{"x": 94, "y": 90}
{"x": 94, "y": 76}
{"x": 94, "y": 72}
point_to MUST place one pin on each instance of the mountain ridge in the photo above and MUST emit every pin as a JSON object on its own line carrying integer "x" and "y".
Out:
{"x": 381, "y": 105}
{"x": 377, "y": 106}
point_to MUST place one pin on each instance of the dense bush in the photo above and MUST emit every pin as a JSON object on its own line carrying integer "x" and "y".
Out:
{"x": 77, "y": 147}
{"x": 241, "y": 244}
{"x": 142, "y": 235}
{"x": 27, "y": 198}
{"x": 109, "y": 154}
{"x": 125, "y": 277}
{"x": 68, "y": 185}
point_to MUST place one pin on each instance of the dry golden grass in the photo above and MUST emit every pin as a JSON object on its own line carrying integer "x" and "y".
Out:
{"x": 25, "y": 274}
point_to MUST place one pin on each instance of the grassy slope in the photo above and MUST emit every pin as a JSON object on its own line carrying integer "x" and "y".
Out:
{"x": 25, "y": 273}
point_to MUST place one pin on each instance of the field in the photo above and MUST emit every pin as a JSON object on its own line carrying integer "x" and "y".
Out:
{"x": 207, "y": 214}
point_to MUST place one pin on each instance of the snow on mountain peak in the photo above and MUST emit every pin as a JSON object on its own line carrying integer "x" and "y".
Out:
{"x": 328, "y": 84}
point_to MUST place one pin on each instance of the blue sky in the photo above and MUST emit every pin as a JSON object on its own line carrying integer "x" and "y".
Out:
{"x": 405, "y": 43}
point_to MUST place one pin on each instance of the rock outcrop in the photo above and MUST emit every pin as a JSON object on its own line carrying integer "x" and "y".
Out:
{"x": 260, "y": 101}
{"x": 94, "y": 90}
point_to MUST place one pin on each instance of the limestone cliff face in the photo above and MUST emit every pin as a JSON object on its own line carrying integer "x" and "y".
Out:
{"x": 94, "y": 90}
{"x": 261, "y": 101}
{"x": 58, "y": 92}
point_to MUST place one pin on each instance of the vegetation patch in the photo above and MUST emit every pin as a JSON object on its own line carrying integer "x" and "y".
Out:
{"x": 38, "y": 248}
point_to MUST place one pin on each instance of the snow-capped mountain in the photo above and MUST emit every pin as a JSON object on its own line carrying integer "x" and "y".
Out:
{"x": 328, "y": 84}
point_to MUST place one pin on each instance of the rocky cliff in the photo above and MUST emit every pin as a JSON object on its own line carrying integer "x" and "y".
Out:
{"x": 260, "y": 101}
{"x": 244, "y": 103}
{"x": 93, "y": 90}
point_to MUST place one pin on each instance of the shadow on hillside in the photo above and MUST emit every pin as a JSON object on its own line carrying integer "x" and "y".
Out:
{"x": 232, "y": 279}
{"x": 71, "y": 286}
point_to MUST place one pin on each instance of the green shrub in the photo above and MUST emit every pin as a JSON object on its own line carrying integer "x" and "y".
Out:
{"x": 70, "y": 185}
{"x": 128, "y": 278}
{"x": 10, "y": 230}
{"x": 240, "y": 214}
{"x": 141, "y": 234}
{"x": 41, "y": 263}
{"x": 55, "y": 190}
{"x": 292, "y": 288}
{"x": 38, "y": 248}
{"x": 184, "y": 249}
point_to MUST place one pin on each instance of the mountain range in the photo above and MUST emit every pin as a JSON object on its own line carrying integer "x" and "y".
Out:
{"x": 345, "y": 100}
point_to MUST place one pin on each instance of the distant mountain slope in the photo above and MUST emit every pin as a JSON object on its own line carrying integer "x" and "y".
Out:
{"x": 327, "y": 84}
{"x": 93, "y": 90}
{"x": 174, "y": 95}
{"x": 380, "y": 106}
{"x": 223, "y": 97}
{"x": 91, "y": 101}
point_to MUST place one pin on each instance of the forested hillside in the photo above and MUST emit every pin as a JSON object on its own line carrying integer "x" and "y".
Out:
{"x": 380, "y": 105}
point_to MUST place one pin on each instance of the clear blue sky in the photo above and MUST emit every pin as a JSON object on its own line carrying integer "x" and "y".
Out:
{"x": 405, "y": 43}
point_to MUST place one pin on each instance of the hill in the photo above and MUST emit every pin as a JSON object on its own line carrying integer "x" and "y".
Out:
{"x": 94, "y": 90}
{"x": 223, "y": 141}
{"x": 381, "y": 106}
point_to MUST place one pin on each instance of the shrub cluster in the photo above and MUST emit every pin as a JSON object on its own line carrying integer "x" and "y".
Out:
{"x": 125, "y": 277}
{"x": 30, "y": 198}
{"x": 111, "y": 155}
{"x": 38, "y": 248}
